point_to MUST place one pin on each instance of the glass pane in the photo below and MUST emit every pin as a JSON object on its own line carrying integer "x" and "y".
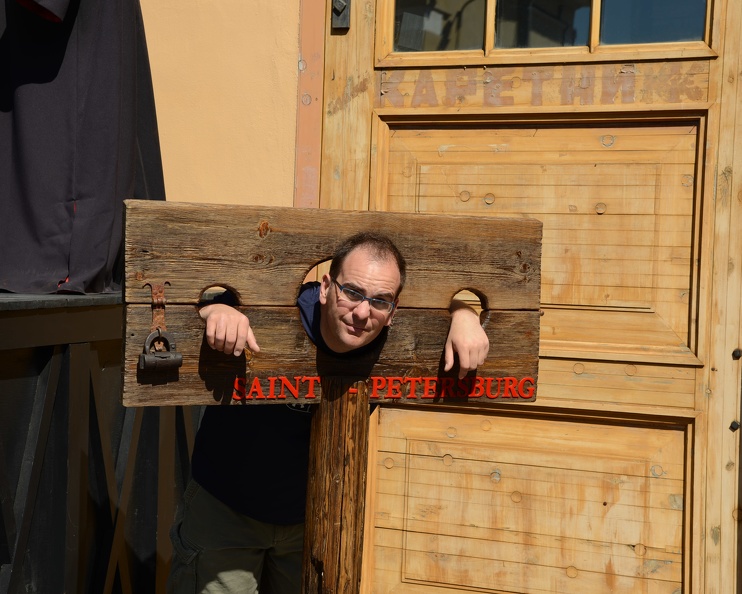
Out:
{"x": 652, "y": 21}
{"x": 542, "y": 23}
{"x": 438, "y": 25}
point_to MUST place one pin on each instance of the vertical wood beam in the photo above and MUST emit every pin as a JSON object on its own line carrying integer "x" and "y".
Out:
{"x": 8, "y": 530}
{"x": 77, "y": 466}
{"x": 594, "y": 33}
{"x": 33, "y": 460}
{"x": 115, "y": 558}
{"x": 368, "y": 556}
{"x": 722, "y": 373}
{"x": 119, "y": 550}
{"x": 729, "y": 181}
{"x": 165, "y": 495}
{"x": 349, "y": 89}
{"x": 310, "y": 99}
{"x": 109, "y": 466}
{"x": 733, "y": 377}
{"x": 338, "y": 456}
{"x": 490, "y": 35}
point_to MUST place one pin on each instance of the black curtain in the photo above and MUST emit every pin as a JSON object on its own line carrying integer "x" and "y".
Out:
{"x": 78, "y": 135}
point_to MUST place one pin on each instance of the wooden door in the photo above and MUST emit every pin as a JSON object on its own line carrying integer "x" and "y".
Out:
{"x": 622, "y": 476}
{"x": 569, "y": 502}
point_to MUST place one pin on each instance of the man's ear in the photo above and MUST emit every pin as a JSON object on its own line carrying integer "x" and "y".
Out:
{"x": 324, "y": 287}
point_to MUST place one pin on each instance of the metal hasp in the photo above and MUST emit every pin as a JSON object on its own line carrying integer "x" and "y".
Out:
{"x": 152, "y": 359}
{"x": 159, "y": 347}
{"x": 340, "y": 15}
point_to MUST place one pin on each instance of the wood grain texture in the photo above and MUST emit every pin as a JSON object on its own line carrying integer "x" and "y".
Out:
{"x": 336, "y": 495}
{"x": 413, "y": 348}
{"x": 263, "y": 254}
{"x": 719, "y": 562}
{"x": 611, "y": 86}
{"x": 521, "y": 504}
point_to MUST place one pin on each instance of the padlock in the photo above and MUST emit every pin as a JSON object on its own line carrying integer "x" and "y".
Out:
{"x": 151, "y": 360}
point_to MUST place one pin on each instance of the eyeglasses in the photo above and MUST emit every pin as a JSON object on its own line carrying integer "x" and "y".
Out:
{"x": 357, "y": 298}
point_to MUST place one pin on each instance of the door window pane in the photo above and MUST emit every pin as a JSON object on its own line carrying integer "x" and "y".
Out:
{"x": 438, "y": 25}
{"x": 541, "y": 23}
{"x": 652, "y": 21}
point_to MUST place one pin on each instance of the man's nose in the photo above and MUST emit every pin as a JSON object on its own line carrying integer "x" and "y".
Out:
{"x": 362, "y": 310}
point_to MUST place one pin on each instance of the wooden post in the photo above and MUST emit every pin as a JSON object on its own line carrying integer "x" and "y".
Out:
{"x": 274, "y": 249}
{"x": 335, "y": 496}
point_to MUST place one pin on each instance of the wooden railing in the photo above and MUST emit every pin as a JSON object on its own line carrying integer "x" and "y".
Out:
{"x": 84, "y": 504}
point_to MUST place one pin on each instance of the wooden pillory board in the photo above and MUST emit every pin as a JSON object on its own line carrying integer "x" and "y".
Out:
{"x": 175, "y": 251}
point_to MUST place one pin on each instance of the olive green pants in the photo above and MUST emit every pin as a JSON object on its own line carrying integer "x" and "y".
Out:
{"x": 218, "y": 551}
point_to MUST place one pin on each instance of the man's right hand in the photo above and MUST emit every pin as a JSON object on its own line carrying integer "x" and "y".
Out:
{"x": 466, "y": 338}
{"x": 227, "y": 329}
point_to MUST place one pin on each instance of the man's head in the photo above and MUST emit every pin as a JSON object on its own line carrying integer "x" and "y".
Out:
{"x": 359, "y": 296}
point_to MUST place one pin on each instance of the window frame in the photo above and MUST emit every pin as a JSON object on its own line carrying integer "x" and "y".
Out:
{"x": 386, "y": 57}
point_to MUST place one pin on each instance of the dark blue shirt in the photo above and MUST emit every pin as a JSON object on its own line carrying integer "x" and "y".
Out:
{"x": 255, "y": 458}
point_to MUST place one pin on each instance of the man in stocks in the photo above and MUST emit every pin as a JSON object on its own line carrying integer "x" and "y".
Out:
{"x": 242, "y": 526}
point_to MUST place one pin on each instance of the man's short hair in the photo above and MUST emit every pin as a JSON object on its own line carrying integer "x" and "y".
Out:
{"x": 380, "y": 246}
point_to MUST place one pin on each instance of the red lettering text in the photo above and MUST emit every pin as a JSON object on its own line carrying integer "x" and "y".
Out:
{"x": 292, "y": 388}
{"x": 511, "y": 387}
{"x": 377, "y": 383}
{"x": 464, "y": 385}
{"x": 238, "y": 392}
{"x": 428, "y": 387}
{"x": 489, "y": 387}
{"x": 477, "y": 389}
{"x": 526, "y": 392}
{"x": 272, "y": 388}
{"x": 447, "y": 387}
{"x": 394, "y": 387}
{"x": 256, "y": 390}
{"x": 311, "y": 380}
{"x": 413, "y": 381}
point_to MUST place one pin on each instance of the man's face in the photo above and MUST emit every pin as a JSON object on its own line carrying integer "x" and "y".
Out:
{"x": 345, "y": 325}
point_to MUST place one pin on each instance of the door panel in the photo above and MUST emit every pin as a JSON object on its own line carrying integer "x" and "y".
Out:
{"x": 521, "y": 504}
{"x": 619, "y": 211}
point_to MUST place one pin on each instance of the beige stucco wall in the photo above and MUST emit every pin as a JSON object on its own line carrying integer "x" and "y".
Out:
{"x": 225, "y": 80}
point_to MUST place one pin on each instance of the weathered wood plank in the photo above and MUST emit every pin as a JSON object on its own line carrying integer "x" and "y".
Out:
{"x": 424, "y": 572}
{"x": 413, "y": 349}
{"x": 264, "y": 254}
{"x": 539, "y": 550}
{"x": 600, "y": 140}
{"x": 624, "y": 492}
{"x": 513, "y": 87}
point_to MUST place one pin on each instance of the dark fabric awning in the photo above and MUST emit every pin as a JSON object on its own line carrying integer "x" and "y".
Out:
{"x": 78, "y": 135}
